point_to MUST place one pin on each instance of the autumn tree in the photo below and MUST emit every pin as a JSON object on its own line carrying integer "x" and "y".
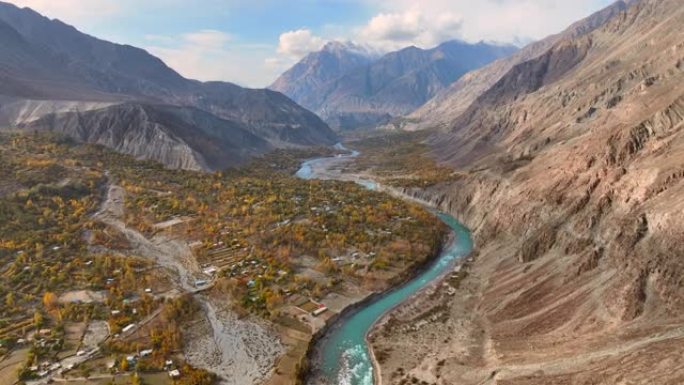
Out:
{"x": 50, "y": 301}
{"x": 123, "y": 365}
{"x": 135, "y": 379}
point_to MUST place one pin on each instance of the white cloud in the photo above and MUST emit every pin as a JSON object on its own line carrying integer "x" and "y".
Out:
{"x": 412, "y": 27}
{"x": 298, "y": 43}
{"x": 433, "y": 21}
{"x": 400, "y": 23}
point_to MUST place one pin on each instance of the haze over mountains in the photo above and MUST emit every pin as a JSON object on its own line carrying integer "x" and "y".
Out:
{"x": 54, "y": 77}
{"x": 349, "y": 87}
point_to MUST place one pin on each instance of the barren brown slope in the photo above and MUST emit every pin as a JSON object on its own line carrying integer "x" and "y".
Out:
{"x": 454, "y": 100}
{"x": 574, "y": 181}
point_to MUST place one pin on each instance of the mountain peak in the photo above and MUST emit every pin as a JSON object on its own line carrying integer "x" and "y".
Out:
{"x": 339, "y": 47}
{"x": 354, "y": 86}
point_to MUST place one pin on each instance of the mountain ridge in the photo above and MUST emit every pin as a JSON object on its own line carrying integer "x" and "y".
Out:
{"x": 455, "y": 99}
{"x": 569, "y": 172}
{"x": 394, "y": 84}
{"x": 71, "y": 72}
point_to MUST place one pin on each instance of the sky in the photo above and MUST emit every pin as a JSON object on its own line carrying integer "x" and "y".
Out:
{"x": 250, "y": 42}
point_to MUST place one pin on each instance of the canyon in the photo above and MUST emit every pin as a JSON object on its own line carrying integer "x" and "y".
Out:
{"x": 569, "y": 177}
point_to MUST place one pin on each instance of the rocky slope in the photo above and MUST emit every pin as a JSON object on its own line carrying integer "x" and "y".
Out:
{"x": 49, "y": 68}
{"x": 180, "y": 137}
{"x": 571, "y": 177}
{"x": 347, "y": 93}
{"x": 449, "y": 103}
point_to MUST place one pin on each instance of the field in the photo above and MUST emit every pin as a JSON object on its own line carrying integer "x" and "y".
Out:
{"x": 400, "y": 159}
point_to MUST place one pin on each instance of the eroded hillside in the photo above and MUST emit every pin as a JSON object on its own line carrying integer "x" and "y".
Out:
{"x": 570, "y": 174}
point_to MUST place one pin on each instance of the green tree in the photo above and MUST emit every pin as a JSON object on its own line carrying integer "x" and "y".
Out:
{"x": 38, "y": 320}
{"x": 9, "y": 300}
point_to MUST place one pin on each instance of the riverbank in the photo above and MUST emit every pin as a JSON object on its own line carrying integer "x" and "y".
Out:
{"x": 359, "y": 363}
{"x": 377, "y": 368}
{"x": 549, "y": 298}
{"x": 313, "y": 351}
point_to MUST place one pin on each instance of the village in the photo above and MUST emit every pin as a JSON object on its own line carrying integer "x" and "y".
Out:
{"x": 108, "y": 291}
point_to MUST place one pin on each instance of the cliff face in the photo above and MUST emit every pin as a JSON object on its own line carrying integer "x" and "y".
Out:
{"x": 451, "y": 102}
{"x": 51, "y": 68}
{"x": 572, "y": 178}
{"x": 167, "y": 134}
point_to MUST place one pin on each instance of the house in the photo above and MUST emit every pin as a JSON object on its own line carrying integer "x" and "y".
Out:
{"x": 319, "y": 311}
{"x": 174, "y": 373}
{"x": 210, "y": 271}
{"x": 146, "y": 352}
{"x": 148, "y": 290}
{"x": 128, "y": 328}
{"x": 116, "y": 312}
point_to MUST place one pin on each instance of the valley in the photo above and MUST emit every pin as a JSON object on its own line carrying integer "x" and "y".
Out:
{"x": 399, "y": 206}
{"x": 146, "y": 253}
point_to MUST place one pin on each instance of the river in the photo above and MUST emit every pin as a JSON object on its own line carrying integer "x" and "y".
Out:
{"x": 342, "y": 355}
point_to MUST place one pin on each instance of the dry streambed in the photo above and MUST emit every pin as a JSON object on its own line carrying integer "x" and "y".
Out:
{"x": 240, "y": 351}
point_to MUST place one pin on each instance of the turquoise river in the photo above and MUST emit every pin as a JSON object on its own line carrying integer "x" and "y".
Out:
{"x": 343, "y": 356}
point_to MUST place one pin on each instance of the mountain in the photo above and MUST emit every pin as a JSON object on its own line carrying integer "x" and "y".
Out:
{"x": 453, "y": 100}
{"x": 571, "y": 179}
{"x": 51, "y": 71}
{"x": 179, "y": 137}
{"x": 350, "y": 90}
{"x": 308, "y": 79}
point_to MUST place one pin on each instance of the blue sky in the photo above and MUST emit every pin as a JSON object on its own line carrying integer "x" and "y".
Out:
{"x": 251, "y": 42}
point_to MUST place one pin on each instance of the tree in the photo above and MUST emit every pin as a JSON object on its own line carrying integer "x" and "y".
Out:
{"x": 38, "y": 320}
{"x": 135, "y": 379}
{"x": 50, "y": 300}
{"x": 9, "y": 300}
{"x": 123, "y": 365}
